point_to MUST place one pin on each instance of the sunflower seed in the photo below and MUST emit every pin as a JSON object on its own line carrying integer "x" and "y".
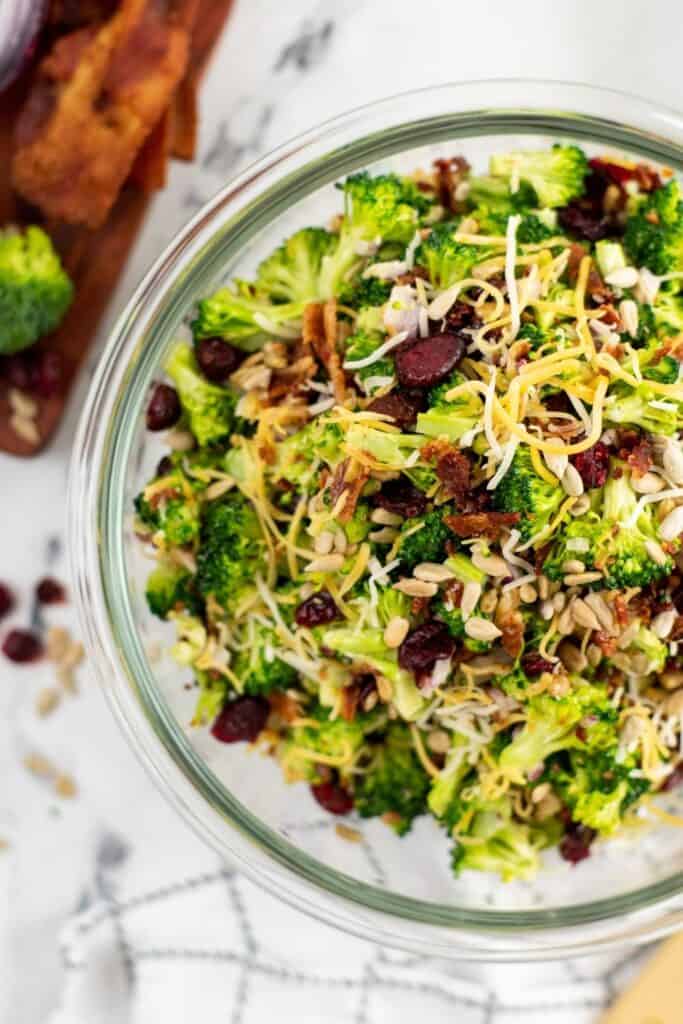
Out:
{"x": 383, "y": 517}
{"x": 396, "y": 631}
{"x": 492, "y": 565}
{"x": 416, "y": 588}
{"x": 655, "y": 552}
{"x": 672, "y": 525}
{"x": 323, "y": 543}
{"x": 583, "y": 615}
{"x": 648, "y": 483}
{"x": 326, "y": 563}
{"x": 672, "y": 461}
{"x": 433, "y": 572}
{"x": 471, "y": 593}
{"x": 663, "y": 623}
{"x": 623, "y": 277}
{"x": 527, "y": 593}
{"x": 579, "y": 579}
{"x": 628, "y": 311}
{"x": 581, "y": 505}
{"x": 438, "y": 741}
{"x": 386, "y": 535}
{"x": 573, "y": 565}
{"x": 481, "y": 629}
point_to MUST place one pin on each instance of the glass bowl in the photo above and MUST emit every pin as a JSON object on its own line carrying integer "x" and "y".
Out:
{"x": 395, "y": 891}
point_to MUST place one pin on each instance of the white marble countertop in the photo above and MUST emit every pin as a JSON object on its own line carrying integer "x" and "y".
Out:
{"x": 280, "y": 69}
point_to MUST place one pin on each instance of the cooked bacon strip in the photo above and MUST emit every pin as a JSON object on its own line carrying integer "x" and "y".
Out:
{"x": 481, "y": 524}
{"x": 96, "y": 99}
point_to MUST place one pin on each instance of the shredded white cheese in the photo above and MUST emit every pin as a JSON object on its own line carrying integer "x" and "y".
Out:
{"x": 510, "y": 279}
{"x": 510, "y": 448}
{"x": 387, "y": 271}
{"x": 379, "y": 353}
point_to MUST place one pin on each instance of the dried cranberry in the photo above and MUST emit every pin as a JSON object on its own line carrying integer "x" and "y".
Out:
{"x": 400, "y": 497}
{"x": 46, "y": 373}
{"x": 584, "y": 223}
{"x": 606, "y": 170}
{"x": 241, "y": 719}
{"x": 217, "y": 358}
{"x": 16, "y": 370}
{"x": 429, "y": 360}
{"x": 575, "y": 846}
{"x": 593, "y": 465}
{"x": 461, "y": 314}
{"x": 673, "y": 780}
{"x": 50, "y": 591}
{"x": 22, "y": 645}
{"x": 6, "y": 600}
{"x": 164, "y": 465}
{"x": 316, "y": 610}
{"x": 402, "y": 406}
{"x": 677, "y": 598}
{"x": 333, "y": 797}
{"x": 534, "y": 664}
{"x": 164, "y": 408}
{"x": 424, "y": 646}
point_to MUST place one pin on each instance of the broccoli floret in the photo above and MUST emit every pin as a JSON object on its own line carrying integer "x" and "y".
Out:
{"x": 170, "y": 588}
{"x": 494, "y": 202}
{"x": 532, "y": 229}
{"x": 242, "y": 318}
{"x": 654, "y": 233}
{"x": 634, "y": 406}
{"x": 209, "y": 408}
{"x": 367, "y": 293}
{"x": 359, "y": 346}
{"x": 394, "y": 781}
{"x": 667, "y": 312}
{"x": 550, "y": 726}
{"x": 556, "y": 175}
{"x": 257, "y": 666}
{"x": 522, "y": 490}
{"x": 35, "y": 290}
{"x": 338, "y": 741}
{"x": 169, "y": 508}
{"x": 597, "y": 787}
{"x": 231, "y": 549}
{"x": 298, "y": 454}
{"x": 656, "y": 365}
{"x": 655, "y": 650}
{"x": 496, "y": 842}
{"x": 443, "y": 793}
{"x": 617, "y": 547}
{"x": 426, "y": 544}
{"x": 446, "y": 260}
{"x": 385, "y": 206}
{"x": 392, "y": 603}
{"x": 369, "y": 649}
{"x": 292, "y": 272}
{"x": 450, "y": 419}
{"x": 390, "y": 451}
{"x": 534, "y": 334}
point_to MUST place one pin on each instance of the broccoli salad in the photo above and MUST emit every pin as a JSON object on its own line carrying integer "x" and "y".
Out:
{"x": 418, "y": 529}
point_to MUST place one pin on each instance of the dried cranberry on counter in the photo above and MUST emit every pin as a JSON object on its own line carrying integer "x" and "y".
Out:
{"x": 217, "y": 359}
{"x": 164, "y": 408}
{"x": 424, "y": 646}
{"x": 400, "y": 497}
{"x": 673, "y": 780}
{"x": 316, "y": 610}
{"x": 46, "y": 373}
{"x": 21, "y": 645}
{"x": 50, "y": 591}
{"x": 593, "y": 465}
{"x": 240, "y": 720}
{"x": 427, "y": 361}
{"x": 402, "y": 406}
{"x": 333, "y": 797}
{"x": 6, "y": 600}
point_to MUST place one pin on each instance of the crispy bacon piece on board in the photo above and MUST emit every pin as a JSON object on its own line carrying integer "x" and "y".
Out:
{"x": 97, "y": 97}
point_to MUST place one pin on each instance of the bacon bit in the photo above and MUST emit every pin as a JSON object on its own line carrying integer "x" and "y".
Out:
{"x": 452, "y": 468}
{"x": 453, "y": 592}
{"x": 166, "y": 495}
{"x": 320, "y": 332}
{"x": 576, "y": 254}
{"x": 449, "y": 174}
{"x": 511, "y": 625}
{"x": 609, "y": 315}
{"x": 351, "y": 487}
{"x": 481, "y": 524}
{"x": 606, "y": 643}
{"x": 597, "y": 289}
{"x": 613, "y": 172}
{"x": 621, "y": 610}
{"x": 284, "y": 705}
{"x": 411, "y": 276}
{"x": 677, "y": 631}
{"x": 640, "y": 458}
{"x": 648, "y": 179}
{"x": 268, "y": 453}
{"x": 627, "y": 439}
{"x": 652, "y": 216}
{"x": 349, "y": 702}
{"x": 418, "y": 605}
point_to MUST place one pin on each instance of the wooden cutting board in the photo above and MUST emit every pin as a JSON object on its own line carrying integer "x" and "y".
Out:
{"x": 95, "y": 259}
{"x": 656, "y": 997}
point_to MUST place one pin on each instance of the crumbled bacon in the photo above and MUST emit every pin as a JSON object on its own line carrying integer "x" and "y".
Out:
{"x": 284, "y": 705}
{"x": 576, "y": 254}
{"x": 481, "y": 524}
{"x": 351, "y": 487}
{"x": 605, "y": 642}
{"x": 620, "y": 610}
{"x": 511, "y": 625}
{"x": 640, "y": 458}
{"x": 349, "y": 701}
{"x": 320, "y": 332}
{"x": 452, "y": 468}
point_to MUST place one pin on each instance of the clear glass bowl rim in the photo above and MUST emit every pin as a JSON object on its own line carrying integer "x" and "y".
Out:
{"x": 99, "y": 460}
